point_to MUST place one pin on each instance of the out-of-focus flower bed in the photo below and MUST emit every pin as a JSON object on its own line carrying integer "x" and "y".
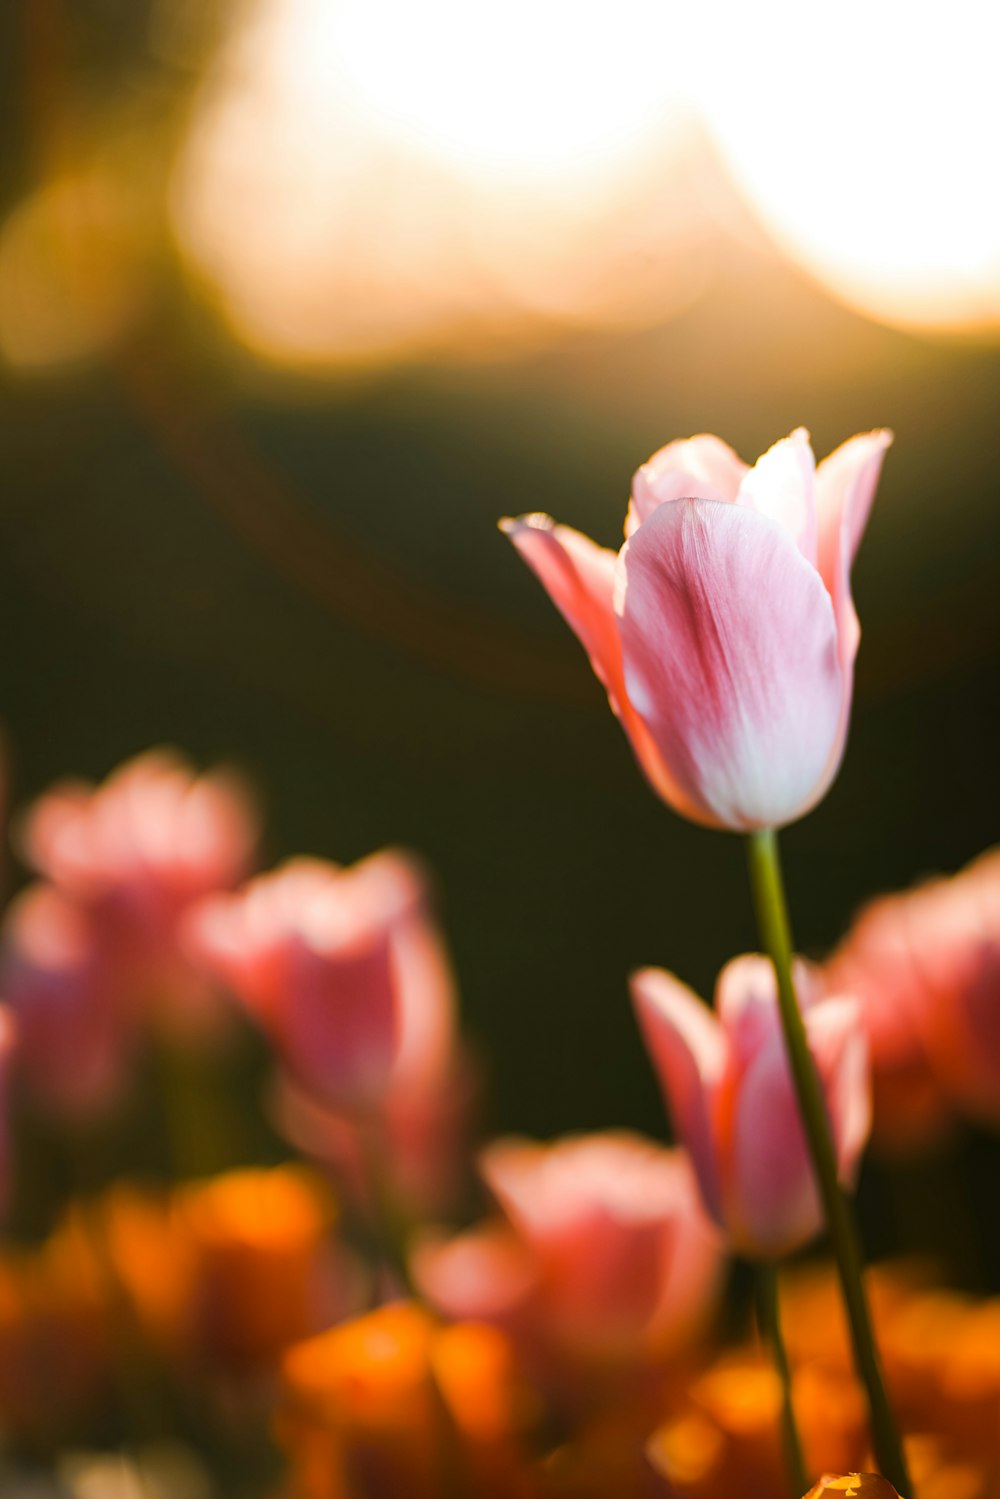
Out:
{"x": 303, "y": 1325}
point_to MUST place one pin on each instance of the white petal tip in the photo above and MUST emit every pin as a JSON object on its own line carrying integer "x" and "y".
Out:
{"x": 513, "y": 525}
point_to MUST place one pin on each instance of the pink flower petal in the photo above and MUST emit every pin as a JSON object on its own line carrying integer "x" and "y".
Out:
{"x": 485, "y": 1274}
{"x": 693, "y": 468}
{"x": 772, "y": 1201}
{"x": 781, "y": 485}
{"x": 845, "y": 488}
{"x": 840, "y": 1049}
{"x": 689, "y": 1052}
{"x": 730, "y": 660}
{"x": 579, "y": 577}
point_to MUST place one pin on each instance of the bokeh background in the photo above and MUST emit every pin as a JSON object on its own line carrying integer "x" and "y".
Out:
{"x": 298, "y": 296}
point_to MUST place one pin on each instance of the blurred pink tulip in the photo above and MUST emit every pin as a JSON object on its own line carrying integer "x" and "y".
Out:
{"x": 75, "y": 1042}
{"x": 420, "y": 1133}
{"x": 317, "y": 955}
{"x": 877, "y": 963}
{"x": 606, "y": 1253}
{"x": 729, "y": 1088}
{"x": 926, "y": 965}
{"x": 137, "y": 852}
{"x": 724, "y": 630}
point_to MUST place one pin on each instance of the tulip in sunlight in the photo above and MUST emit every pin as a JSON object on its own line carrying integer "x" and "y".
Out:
{"x": 606, "y": 1256}
{"x": 926, "y": 965}
{"x": 876, "y": 962}
{"x": 728, "y": 1084}
{"x": 314, "y": 953}
{"x": 135, "y": 853}
{"x": 724, "y": 630}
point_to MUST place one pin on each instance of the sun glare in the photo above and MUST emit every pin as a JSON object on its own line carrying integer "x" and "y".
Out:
{"x": 866, "y": 138}
{"x": 368, "y": 176}
{"x": 362, "y": 180}
{"x": 528, "y": 90}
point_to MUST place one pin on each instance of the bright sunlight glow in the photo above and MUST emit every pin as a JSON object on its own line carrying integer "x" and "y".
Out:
{"x": 524, "y": 89}
{"x": 367, "y": 177}
{"x": 866, "y": 136}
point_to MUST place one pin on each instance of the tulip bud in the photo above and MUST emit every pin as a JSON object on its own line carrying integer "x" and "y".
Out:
{"x": 724, "y": 630}
{"x": 313, "y": 952}
{"x": 728, "y": 1084}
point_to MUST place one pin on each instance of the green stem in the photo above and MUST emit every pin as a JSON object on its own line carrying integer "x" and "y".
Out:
{"x": 770, "y": 1327}
{"x": 772, "y": 920}
{"x": 386, "y": 1225}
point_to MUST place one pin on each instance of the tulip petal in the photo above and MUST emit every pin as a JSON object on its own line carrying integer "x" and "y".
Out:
{"x": 688, "y": 1050}
{"x": 746, "y": 1000}
{"x": 579, "y": 577}
{"x": 730, "y": 659}
{"x": 845, "y": 488}
{"x": 485, "y": 1274}
{"x": 782, "y": 484}
{"x": 746, "y": 1004}
{"x": 839, "y": 1046}
{"x": 692, "y": 468}
{"x": 772, "y": 1202}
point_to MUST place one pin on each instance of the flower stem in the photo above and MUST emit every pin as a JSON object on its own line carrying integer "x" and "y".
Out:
{"x": 386, "y": 1225}
{"x": 772, "y": 920}
{"x": 770, "y": 1327}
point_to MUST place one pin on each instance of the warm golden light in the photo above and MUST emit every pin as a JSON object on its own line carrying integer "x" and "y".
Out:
{"x": 71, "y": 276}
{"x": 366, "y": 177}
{"x": 866, "y": 139}
{"x": 530, "y": 91}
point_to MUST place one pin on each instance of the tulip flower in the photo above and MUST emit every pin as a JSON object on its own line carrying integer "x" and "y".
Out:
{"x": 606, "y": 1255}
{"x": 313, "y": 952}
{"x": 729, "y": 1087}
{"x": 926, "y": 965}
{"x": 136, "y": 853}
{"x": 152, "y": 838}
{"x": 724, "y": 630}
{"x": 75, "y": 1040}
{"x": 877, "y": 963}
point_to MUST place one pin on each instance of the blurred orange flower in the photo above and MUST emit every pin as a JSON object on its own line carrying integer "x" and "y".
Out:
{"x": 394, "y": 1404}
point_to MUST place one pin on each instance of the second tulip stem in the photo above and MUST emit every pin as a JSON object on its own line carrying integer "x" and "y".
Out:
{"x": 769, "y": 1315}
{"x": 772, "y": 920}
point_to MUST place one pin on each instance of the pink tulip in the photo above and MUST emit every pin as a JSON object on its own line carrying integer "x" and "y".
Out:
{"x": 956, "y": 935}
{"x": 420, "y": 1131}
{"x": 137, "y": 852}
{"x": 724, "y": 630}
{"x": 879, "y": 965}
{"x": 728, "y": 1085}
{"x": 75, "y": 1041}
{"x": 607, "y": 1253}
{"x": 926, "y": 965}
{"x": 313, "y": 952}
